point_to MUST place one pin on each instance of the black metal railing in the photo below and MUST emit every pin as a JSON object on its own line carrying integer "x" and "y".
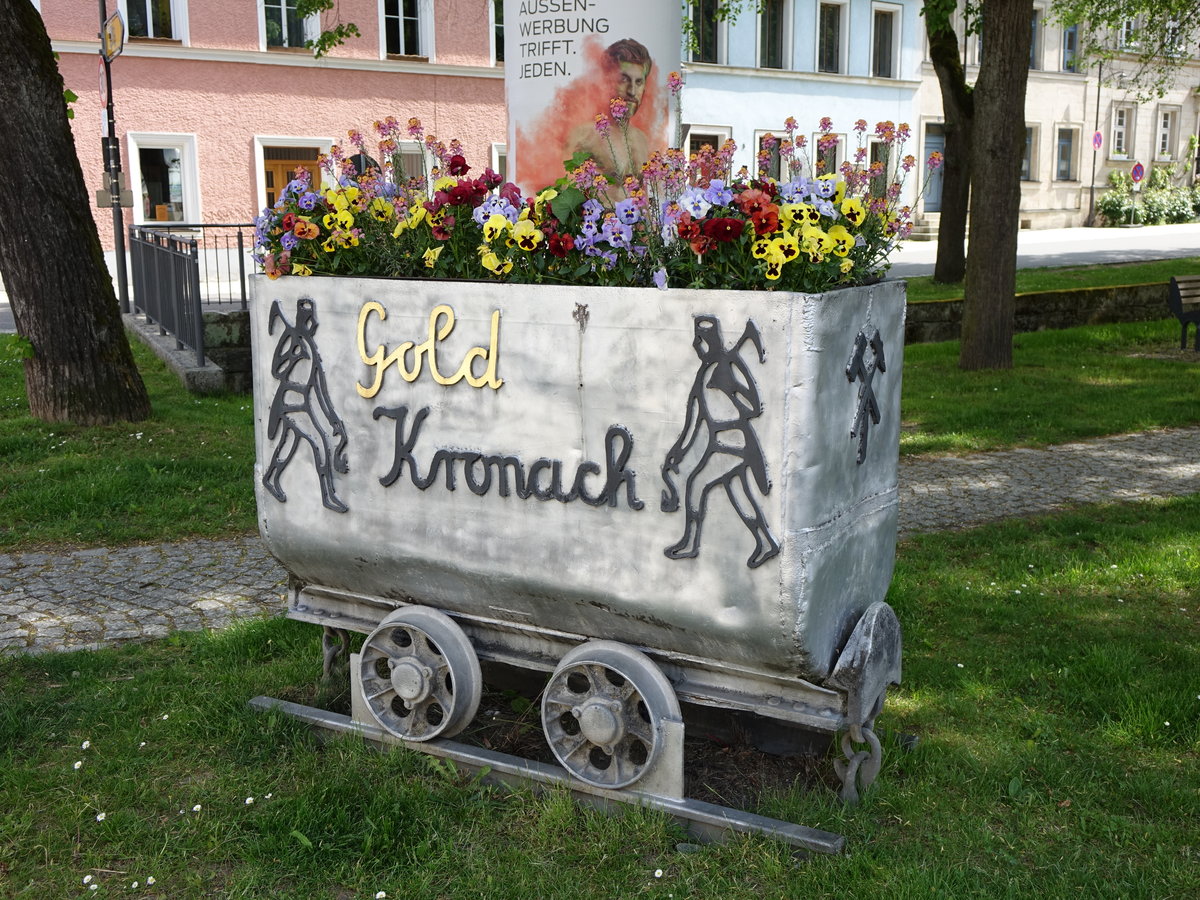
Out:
{"x": 178, "y": 269}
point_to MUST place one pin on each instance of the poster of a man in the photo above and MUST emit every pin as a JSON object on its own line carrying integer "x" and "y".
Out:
{"x": 598, "y": 87}
{"x": 622, "y": 148}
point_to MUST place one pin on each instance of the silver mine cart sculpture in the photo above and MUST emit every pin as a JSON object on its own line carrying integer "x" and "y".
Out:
{"x": 657, "y": 497}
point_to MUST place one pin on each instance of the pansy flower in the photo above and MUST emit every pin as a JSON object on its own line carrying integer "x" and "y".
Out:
{"x": 431, "y": 256}
{"x": 381, "y": 210}
{"x": 305, "y": 229}
{"x": 852, "y": 209}
{"x": 496, "y": 226}
{"x": 723, "y": 229}
{"x": 526, "y": 235}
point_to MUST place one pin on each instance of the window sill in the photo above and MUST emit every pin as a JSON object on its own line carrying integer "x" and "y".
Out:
{"x": 142, "y": 39}
{"x": 307, "y": 50}
{"x": 407, "y": 57}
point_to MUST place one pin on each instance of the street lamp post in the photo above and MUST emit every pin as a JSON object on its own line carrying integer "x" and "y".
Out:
{"x": 112, "y": 155}
{"x": 1091, "y": 219}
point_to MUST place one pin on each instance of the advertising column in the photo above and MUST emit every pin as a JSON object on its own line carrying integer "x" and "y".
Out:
{"x": 587, "y": 77}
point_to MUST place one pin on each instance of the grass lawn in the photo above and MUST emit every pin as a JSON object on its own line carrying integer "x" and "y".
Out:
{"x": 1058, "y": 279}
{"x": 1051, "y": 674}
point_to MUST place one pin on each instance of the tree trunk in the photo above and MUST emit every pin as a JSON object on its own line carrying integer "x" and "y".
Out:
{"x": 999, "y": 128}
{"x": 957, "y": 113}
{"x": 61, "y": 294}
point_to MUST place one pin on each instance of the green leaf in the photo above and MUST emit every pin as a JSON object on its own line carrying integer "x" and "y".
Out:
{"x": 566, "y": 203}
{"x": 1014, "y": 787}
{"x": 304, "y": 841}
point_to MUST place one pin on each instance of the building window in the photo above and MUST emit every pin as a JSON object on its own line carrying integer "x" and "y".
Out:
{"x": 150, "y": 18}
{"x": 163, "y": 173}
{"x": 827, "y": 152}
{"x": 771, "y": 31}
{"x": 1165, "y": 145}
{"x": 1122, "y": 127}
{"x": 402, "y": 27}
{"x": 280, "y": 165}
{"x": 284, "y": 27}
{"x": 1129, "y": 31}
{"x": 500, "y": 160}
{"x": 767, "y": 160}
{"x": 884, "y": 34}
{"x": 1035, "y": 44}
{"x": 700, "y": 137}
{"x": 705, "y": 32}
{"x": 1027, "y": 156}
{"x": 829, "y": 38}
{"x": 497, "y": 32}
{"x": 1070, "y": 49}
{"x": 1065, "y": 159}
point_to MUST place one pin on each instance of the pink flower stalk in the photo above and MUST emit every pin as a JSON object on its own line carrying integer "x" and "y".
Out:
{"x": 790, "y": 125}
{"x": 826, "y": 125}
{"x": 618, "y": 109}
{"x": 602, "y": 125}
{"x": 935, "y": 161}
{"x": 861, "y": 126}
{"x": 675, "y": 83}
{"x": 415, "y": 129}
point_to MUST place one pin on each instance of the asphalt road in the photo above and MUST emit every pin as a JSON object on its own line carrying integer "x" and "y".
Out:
{"x": 1048, "y": 247}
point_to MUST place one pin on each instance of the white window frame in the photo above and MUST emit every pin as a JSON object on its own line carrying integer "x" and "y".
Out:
{"x": 785, "y": 60}
{"x": 1073, "y": 174}
{"x": 722, "y": 46}
{"x": 1114, "y": 151}
{"x": 897, "y": 13}
{"x": 492, "y": 48}
{"x": 1170, "y": 133}
{"x": 425, "y": 26}
{"x": 260, "y": 162}
{"x": 189, "y": 171}
{"x": 1125, "y": 37}
{"x": 499, "y": 159}
{"x": 312, "y": 28}
{"x": 179, "y": 21}
{"x": 1037, "y": 44}
{"x": 843, "y": 37}
{"x": 841, "y": 153}
{"x": 1035, "y": 133}
{"x": 722, "y": 132}
{"x": 759, "y": 134}
{"x": 1071, "y": 66}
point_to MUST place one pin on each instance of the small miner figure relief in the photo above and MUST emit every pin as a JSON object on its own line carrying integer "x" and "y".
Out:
{"x": 723, "y": 401}
{"x": 302, "y": 410}
{"x": 859, "y": 369}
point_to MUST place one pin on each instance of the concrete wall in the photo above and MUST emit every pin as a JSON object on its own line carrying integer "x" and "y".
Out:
{"x": 941, "y": 320}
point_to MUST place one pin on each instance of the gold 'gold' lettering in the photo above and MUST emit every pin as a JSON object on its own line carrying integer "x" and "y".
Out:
{"x": 441, "y": 323}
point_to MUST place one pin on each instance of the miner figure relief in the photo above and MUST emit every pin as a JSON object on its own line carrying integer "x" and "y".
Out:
{"x": 302, "y": 410}
{"x": 721, "y": 406}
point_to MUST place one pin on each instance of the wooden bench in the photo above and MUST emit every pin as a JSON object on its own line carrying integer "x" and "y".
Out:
{"x": 1183, "y": 298}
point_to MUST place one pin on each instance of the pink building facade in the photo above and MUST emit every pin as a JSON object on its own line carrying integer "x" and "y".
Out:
{"x": 217, "y": 101}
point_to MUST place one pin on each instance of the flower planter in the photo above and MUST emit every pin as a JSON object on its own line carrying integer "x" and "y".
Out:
{"x": 692, "y": 490}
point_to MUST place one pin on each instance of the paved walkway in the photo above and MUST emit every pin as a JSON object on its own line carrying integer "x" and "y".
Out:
{"x": 89, "y": 598}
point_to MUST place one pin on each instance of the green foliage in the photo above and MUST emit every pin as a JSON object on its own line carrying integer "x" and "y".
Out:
{"x": 1161, "y": 202}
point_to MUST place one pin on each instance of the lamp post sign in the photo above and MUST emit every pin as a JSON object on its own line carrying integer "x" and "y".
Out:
{"x": 1138, "y": 173}
{"x": 1097, "y": 141}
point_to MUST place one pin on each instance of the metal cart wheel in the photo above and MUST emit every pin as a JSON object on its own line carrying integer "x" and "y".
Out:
{"x": 601, "y": 713}
{"x": 420, "y": 675}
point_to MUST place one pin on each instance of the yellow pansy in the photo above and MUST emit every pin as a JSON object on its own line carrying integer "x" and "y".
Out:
{"x": 431, "y": 255}
{"x": 526, "y": 235}
{"x": 843, "y": 241}
{"x": 340, "y": 219}
{"x": 381, "y": 210}
{"x": 445, "y": 183}
{"x": 789, "y": 214}
{"x": 539, "y": 203}
{"x": 846, "y": 266}
{"x": 301, "y": 269}
{"x": 760, "y": 248}
{"x": 787, "y": 245}
{"x": 492, "y": 263}
{"x": 854, "y": 212}
{"x": 495, "y": 226}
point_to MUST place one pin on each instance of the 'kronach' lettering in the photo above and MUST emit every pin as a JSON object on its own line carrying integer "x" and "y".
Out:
{"x": 411, "y": 358}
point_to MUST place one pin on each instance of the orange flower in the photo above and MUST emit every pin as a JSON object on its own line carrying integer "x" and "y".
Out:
{"x": 305, "y": 230}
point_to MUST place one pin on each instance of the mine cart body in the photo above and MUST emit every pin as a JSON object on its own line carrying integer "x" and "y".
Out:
{"x": 707, "y": 476}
